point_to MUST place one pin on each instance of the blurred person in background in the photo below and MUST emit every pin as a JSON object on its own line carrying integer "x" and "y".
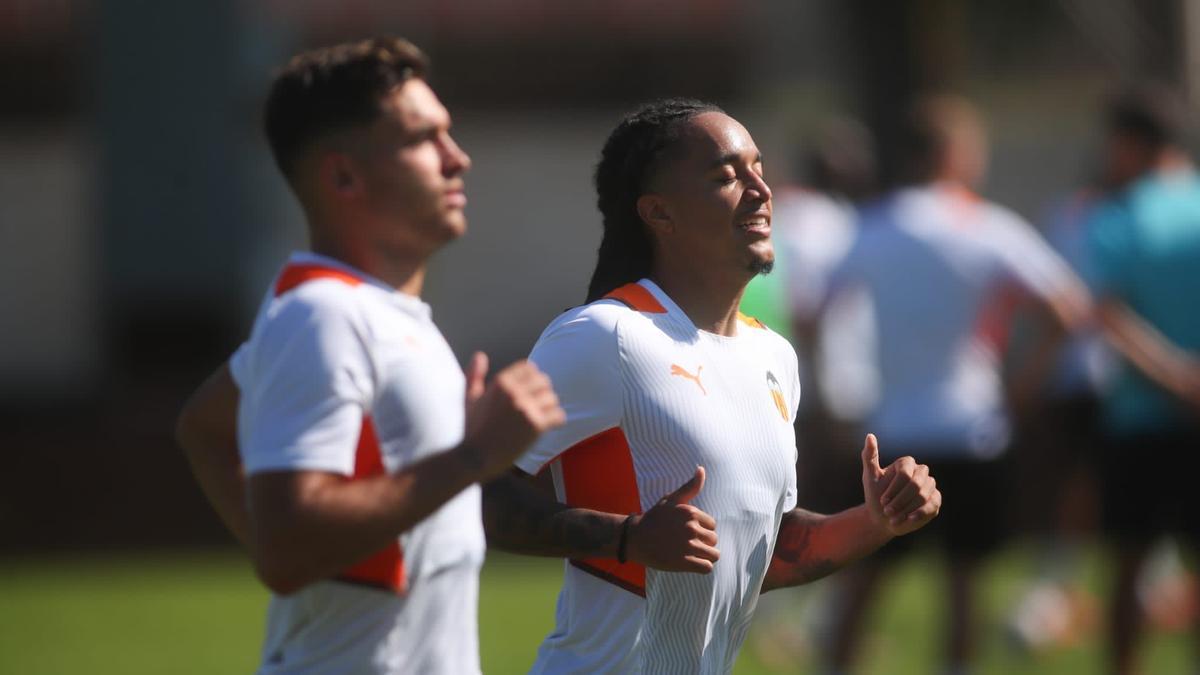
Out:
{"x": 1055, "y": 408}
{"x": 944, "y": 269}
{"x": 815, "y": 227}
{"x": 679, "y": 412}
{"x": 815, "y": 222}
{"x": 342, "y": 444}
{"x": 1143, "y": 249}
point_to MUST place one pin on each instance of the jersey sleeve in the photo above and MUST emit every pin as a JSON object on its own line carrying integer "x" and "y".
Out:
{"x": 238, "y": 365}
{"x": 306, "y": 386}
{"x": 579, "y": 353}
{"x": 1030, "y": 261}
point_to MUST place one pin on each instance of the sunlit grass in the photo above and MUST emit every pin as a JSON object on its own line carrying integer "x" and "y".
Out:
{"x": 202, "y": 612}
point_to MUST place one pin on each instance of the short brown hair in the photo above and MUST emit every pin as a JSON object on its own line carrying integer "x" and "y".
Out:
{"x": 929, "y": 127}
{"x": 333, "y": 88}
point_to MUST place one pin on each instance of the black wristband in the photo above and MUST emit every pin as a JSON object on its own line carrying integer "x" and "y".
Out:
{"x": 621, "y": 543}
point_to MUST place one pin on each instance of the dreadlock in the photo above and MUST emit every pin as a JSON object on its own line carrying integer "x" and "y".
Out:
{"x": 627, "y": 160}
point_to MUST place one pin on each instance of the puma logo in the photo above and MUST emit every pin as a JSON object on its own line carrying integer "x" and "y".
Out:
{"x": 678, "y": 370}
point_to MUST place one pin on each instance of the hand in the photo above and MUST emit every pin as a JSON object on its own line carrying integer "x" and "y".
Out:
{"x": 902, "y": 498}
{"x": 505, "y": 417}
{"x": 674, "y": 535}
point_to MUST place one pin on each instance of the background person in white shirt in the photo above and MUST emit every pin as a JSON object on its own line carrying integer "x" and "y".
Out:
{"x": 674, "y": 473}
{"x": 355, "y": 488}
{"x": 945, "y": 269}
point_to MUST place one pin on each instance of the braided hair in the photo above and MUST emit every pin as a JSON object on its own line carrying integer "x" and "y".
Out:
{"x": 627, "y": 160}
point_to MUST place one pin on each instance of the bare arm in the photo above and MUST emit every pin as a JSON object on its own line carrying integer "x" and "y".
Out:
{"x": 1025, "y": 378}
{"x": 520, "y": 518}
{"x": 811, "y": 546}
{"x": 898, "y": 500}
{"x": 311, "y": 525}
{"x": 1160, "y": 361}
{"x": 207, "y": 432}
{"x": 673, "y": 535}
{"x": 308, "y": 525}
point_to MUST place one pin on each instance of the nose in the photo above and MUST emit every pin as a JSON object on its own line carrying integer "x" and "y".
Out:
{"x": 454, "y": 159}
{"x": 757, "y": 187}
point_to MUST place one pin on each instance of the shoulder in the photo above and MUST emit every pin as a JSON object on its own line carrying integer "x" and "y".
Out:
{"x": 630, "y": 305}
{"x": 1008, "y": 229}
{"x": 580, "y": 338}
{"x": 330, "y": 298}
{"x": 325, "y": 314}
{"x": 593, "y": 321}
{"x": 1003, "y": 216}
{"x": 766, "y": 340}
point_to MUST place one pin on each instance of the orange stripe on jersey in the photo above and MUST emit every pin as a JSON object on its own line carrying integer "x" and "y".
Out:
{"x": 597, "y": 473}
{"x": 295, "y": 275}
{"x": 750, "y": 321}
{"x": 993, "y": 324}
{"x": 637, "y": 298}
{"x": 964, "y": 203}
{"x": 385, "y": 568}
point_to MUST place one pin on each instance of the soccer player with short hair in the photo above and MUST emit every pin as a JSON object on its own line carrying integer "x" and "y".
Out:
{"x": 359, "y": 502}
{"x": 675, "y": 471}
{"x": 945, "y": 269}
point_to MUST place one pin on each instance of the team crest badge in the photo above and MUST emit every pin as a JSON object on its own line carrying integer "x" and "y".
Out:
{"x": 777, "y": 396}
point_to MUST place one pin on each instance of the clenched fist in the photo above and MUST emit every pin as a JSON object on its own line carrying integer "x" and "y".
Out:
{"x": 507, "y": 415}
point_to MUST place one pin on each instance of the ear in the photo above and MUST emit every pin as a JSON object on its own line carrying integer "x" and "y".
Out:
{"x": 655, "y": 212}
{"x": 338, "y": 176}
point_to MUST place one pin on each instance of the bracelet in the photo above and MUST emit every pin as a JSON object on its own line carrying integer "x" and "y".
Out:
{"x": 624, "y": 539}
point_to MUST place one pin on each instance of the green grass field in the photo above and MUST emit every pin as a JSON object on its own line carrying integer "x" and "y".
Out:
{"x": 199, "y": 613}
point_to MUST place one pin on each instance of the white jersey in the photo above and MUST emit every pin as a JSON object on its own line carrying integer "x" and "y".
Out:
{"x": 812, "y": 233}
{"x": 649, "y": 397}
{"x": 945, "y": 271}
{"x": 346, "y": 375}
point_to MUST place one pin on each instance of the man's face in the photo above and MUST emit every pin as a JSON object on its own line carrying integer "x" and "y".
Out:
{"x": 412, "y": 172}
{"x": 715, "y": 204}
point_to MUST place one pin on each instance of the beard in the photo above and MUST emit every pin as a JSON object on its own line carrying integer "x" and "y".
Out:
{"x": 762, "y": 267}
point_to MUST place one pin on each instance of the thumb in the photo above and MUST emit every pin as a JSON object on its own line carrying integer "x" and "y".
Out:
{"x": 870, "y": 458}
{"x": 688, "y": 491}
{"x": 476, "y": 376}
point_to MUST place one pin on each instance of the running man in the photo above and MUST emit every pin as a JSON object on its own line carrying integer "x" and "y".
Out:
{"x": 675, "y": 471}
{"x": 359, "y": 502}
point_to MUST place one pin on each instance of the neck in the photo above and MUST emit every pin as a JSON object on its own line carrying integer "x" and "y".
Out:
{"x": 405, "y": 273}
{"x": 1171, "y": 159}
{"x": 709, "y": 299}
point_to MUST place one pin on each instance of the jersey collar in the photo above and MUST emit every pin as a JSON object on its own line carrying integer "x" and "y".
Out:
{"x": 408, "y": 302}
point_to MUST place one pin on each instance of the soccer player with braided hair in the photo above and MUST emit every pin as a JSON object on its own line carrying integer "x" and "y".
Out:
{"x": 675, "y": 471}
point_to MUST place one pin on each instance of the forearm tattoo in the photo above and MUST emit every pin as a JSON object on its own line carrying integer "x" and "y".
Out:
{"x": 794, "y": 562}
{"x": 518, "y": 518}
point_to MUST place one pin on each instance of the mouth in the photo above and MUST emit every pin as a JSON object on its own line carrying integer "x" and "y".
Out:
{"x": 456, "y": 198}
{"x": 758, "y": 224}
